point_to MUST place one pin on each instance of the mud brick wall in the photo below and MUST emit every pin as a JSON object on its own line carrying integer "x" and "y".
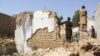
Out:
{"x": 44, "y": 39}
{"x": 7, "y": 24}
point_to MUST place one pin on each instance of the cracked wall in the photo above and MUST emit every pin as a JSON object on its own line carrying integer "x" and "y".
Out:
{"x": 37, "y": 29}
{"x": 46, "y": 30}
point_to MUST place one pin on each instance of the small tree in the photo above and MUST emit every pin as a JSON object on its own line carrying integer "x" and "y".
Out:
{"x": 75, "y": 19}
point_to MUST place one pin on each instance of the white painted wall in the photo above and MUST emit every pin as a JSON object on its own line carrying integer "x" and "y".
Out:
{"x": 89, "y": 24}
{"x": 41, "y": 20}
{"x": 97, "y": 20}
{"x": 24, "y": 32}
{"x": 19, "y": 40}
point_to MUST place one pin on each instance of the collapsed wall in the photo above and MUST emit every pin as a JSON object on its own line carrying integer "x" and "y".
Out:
{"x": 23, "y": 31}
{"x": 97, "y": 20}
{"x": 7, "y": 24}
{"x": 38, "y": 29}
{"x": 46, "y": 31}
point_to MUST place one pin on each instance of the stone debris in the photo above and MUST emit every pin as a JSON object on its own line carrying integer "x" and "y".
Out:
{"x": 7, "y": 46}
{"x": 52, "y": 52}
{"x": 83, "y": 48}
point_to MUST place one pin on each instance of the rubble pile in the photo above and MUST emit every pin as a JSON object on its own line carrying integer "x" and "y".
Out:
{"x": 48, "y": 39}
{"x": 86, "y": 46}
{"x": 7, "y": 46}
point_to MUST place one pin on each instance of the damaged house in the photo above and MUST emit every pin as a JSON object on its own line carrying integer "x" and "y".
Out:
{"x": 38, "y": 29}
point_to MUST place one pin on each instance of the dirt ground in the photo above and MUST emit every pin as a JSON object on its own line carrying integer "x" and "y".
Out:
{"x": 7, "y": 46}
{"x": 85, "y": 47}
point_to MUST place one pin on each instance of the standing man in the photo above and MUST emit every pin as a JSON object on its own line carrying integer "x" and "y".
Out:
{"x": 93, "y": 34}
{"x": 68, "y": 29}
{"x": 83, "y": 19}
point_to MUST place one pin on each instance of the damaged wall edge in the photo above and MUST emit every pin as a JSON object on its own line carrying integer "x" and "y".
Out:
{"x": 43, "y": 26}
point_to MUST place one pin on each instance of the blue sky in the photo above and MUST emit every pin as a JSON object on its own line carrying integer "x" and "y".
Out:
{"x": 66, "y": 8}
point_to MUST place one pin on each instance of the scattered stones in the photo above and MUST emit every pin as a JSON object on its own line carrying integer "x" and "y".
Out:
{"x": 7, "y": 46}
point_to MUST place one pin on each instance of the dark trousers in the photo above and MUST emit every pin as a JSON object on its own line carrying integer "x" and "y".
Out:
{"x": 68, "y": 36}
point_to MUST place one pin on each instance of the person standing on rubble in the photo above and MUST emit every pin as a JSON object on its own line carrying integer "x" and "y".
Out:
{"x": 68, "y": 29}
{"x": 93, "y": 34}
{"x": 83, "y": 19}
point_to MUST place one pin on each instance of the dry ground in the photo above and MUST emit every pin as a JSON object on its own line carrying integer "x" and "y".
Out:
{"x": 86, "y": 47}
